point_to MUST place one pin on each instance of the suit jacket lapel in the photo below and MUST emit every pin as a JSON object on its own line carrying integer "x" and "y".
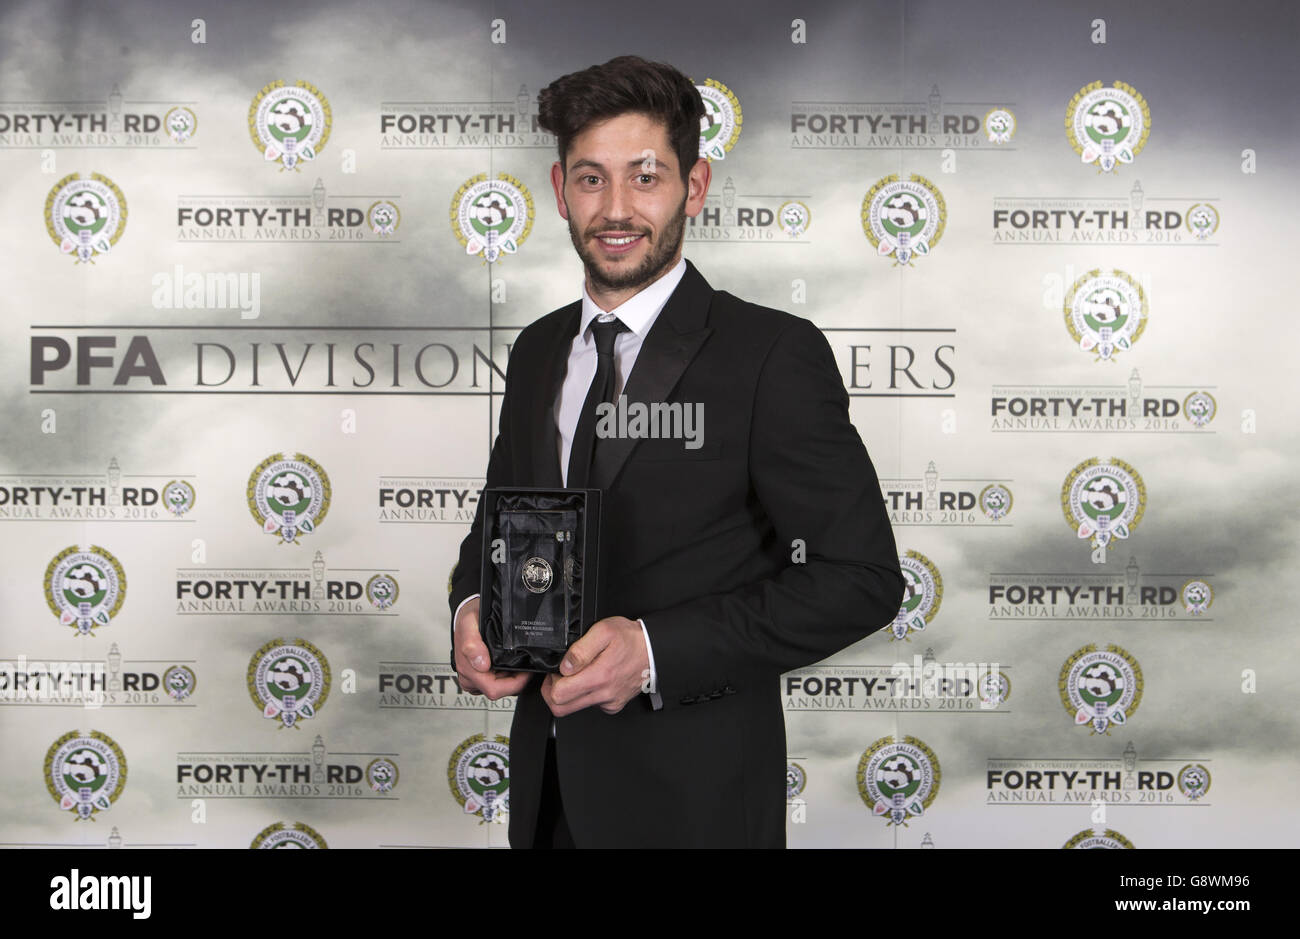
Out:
{"x": 543, "y": 437}
{"x": 673, "y": 341}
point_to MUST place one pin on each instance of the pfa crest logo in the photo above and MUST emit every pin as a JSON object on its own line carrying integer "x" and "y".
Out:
{"x": 289, "y": 681}
{"x": 1200, "y": 407}
{"x": 492, "y": 217}
{"x": 1107, "y": 126}
{"x": 280, "y": 835}
{"x": 381, "y": 775}
{"x": 1196, "y": 596}
{"x": 1194, "y": 781}
{"x": 289, "y": 124}
{"x": 383, "y": 217}
{"x": 922, "y": 595}
{"x": 898, "y": 779}
{"x": 85, "y": 589}
{"x": 381, "y": 591}
{"x": 1202, "y": 220}
{"x": 1103, "y": 500}
{"x": 288, "y": 497}
{"x": 181, "y": 124}
{"x": 903, "y": 218}
{"x": 995, "y": 501}
{"x": 999, "y": 126}
{"x": 720, "y": 125}
{"x": 537, "y": 575}
{"x": 179, "y": 682}
{"x": 479, "y": 776}
{"x": 795, "y": 780}
{"x": 85, "y": 774}
{"x": 994, "y": 688}
{"x": 1090, "y": 839}
{"x": 794, "y": 218}
{"x": 1101, "y": 688}
{"x": 179, "y": 497}
{"x": 85, "y": 217}
{"x": 1106, "y": 313}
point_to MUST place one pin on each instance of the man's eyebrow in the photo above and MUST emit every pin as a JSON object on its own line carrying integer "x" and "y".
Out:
{"x": 631, "y": 164}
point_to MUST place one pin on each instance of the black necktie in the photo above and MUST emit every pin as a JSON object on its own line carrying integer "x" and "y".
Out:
{"x": 601, "y": 391}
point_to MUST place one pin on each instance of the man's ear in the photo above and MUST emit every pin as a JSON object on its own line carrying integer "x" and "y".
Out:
{"x": 697, "y": 186}
{"x": 557, "y": 183}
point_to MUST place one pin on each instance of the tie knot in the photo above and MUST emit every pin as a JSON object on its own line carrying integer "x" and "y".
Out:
{"x": 604, "y": 334}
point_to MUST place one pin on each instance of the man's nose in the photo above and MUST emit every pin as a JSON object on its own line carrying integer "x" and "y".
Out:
{"x": 618, "y": 203}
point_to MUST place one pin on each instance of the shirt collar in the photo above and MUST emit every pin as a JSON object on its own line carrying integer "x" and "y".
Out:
{"x": 639, "y": 311}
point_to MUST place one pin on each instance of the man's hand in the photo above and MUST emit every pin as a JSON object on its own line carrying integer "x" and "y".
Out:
{"x": 474, "y": 665}
{"x": 607, "y": 667}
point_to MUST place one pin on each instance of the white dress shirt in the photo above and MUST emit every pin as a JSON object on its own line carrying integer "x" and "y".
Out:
{"x": 638, "y": 314}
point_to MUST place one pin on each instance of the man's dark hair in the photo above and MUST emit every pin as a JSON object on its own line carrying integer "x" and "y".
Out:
{"x": 624, "y": 84}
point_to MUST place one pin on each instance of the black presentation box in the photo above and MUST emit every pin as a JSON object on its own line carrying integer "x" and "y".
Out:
{"x": 540, "y": 574}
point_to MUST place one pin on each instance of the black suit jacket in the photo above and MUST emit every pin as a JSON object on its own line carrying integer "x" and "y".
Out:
{"x": 699, "y": 543}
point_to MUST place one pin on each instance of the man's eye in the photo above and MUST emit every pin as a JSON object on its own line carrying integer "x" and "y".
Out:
{"x": 593, "y": 180}
{"x": 646, "y": 178}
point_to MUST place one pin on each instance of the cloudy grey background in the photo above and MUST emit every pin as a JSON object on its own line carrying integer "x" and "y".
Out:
{"x": 1219, "y": 78}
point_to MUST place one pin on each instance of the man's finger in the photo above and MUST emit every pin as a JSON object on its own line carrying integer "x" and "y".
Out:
{"x": 509, "y": 686}
{"x": 468, "y": 640}
{"x": 567, "y": 689}
{"x": 467, "y": 682}
{"x": 567, "y": 695}
{"x": 597, "y": 696}
{"x": 470, "y": 644}
{"x": 476, "y": 655}
{"x": 494, "y": 686}
{"x": 548, "y": 695}
{"x": 583, "y": 652}
{"x": 564, "y": 709}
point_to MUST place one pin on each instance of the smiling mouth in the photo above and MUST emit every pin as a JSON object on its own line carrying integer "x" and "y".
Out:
{"x": 620, "y": 241}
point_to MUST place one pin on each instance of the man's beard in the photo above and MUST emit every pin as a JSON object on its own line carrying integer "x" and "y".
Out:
{"x": 656, "y": 261}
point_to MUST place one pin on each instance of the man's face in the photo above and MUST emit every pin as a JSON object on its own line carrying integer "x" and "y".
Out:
{"x": 625, "y": 201}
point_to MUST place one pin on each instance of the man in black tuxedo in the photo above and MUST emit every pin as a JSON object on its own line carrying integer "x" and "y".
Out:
{"x": 761, "y": 546}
